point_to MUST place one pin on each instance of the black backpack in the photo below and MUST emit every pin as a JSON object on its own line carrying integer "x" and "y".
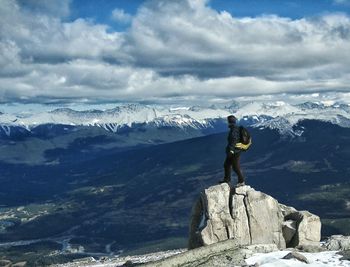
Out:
{"x": 245, "y": 139}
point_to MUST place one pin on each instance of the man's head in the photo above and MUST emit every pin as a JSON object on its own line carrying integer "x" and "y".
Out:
{"x": 231, "y": 120}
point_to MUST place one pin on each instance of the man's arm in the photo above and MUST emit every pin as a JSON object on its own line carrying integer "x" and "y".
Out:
{"x": 233, "y": 139}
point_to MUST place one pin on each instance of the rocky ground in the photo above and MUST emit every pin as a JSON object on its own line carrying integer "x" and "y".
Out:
{"x": 278, "y": 258}
{"x": 122, "y": 261}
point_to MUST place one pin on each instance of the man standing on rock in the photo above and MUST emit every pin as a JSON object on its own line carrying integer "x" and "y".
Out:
{"x": 233, "y": 153}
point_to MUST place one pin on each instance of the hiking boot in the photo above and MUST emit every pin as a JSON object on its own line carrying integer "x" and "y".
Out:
{"x": 224, "y": 181}
{"x": 240, "y": 184}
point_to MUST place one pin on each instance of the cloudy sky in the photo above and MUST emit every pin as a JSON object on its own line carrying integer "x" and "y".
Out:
{"x": 173, "y": 51}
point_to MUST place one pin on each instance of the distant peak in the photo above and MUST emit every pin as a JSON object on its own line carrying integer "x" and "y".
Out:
{"x": 62, "y": 110}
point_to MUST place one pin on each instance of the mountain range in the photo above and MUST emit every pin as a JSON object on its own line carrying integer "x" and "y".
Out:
{"x": 70, "y": 191}
{"x": 280, "y": 115}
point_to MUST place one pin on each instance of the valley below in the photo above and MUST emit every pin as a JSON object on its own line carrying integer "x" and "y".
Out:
{"x": 109, "y": 202}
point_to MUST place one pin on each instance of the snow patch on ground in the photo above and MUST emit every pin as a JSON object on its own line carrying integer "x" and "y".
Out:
{"x": 320, "y": 259}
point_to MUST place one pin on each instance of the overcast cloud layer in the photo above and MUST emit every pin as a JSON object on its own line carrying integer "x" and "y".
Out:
{"x": 172, "y": 50}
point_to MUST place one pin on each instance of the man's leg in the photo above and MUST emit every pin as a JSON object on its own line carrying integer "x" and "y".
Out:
{"x": 227, "y": 168}
{"x": 237, "y": 168}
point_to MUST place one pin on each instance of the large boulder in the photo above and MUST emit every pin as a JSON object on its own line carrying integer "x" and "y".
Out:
{"x": 337, "y": 242}
{"x": 211, "y": 214}
{"x": 308, "y": 229}
{"x": 249, "y": 217}
{"x": 256, "y": 217}
{"x": 219, "y": 223}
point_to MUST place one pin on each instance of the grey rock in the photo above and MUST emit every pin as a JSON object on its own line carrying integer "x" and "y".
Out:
{"x": 249, "y": 217}
{"x": 211, "y": 220}
{"x": 241, "y": 226}
{"x": 264, "y": 218}
{"x": 297, "y": 256}
{"x": 311, "y": 248}
{"x": 286, "y": 210}
{"x": 128, "y": 264}
{"x": 345, "y": 255}
{"x": 308, "y": 229}
{"x": 219, "y": 223}
{"x": 196, "y": 224}
{"x": 224, "y": 253}
{"x": 338, "y": 242}
{"x": 289, "y": 229}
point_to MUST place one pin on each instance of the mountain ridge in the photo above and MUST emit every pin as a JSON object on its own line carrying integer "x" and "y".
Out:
{"x": 278, "y": 115}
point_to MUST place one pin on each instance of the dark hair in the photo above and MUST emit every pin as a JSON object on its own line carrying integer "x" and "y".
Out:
{"x": 231, "y": 119}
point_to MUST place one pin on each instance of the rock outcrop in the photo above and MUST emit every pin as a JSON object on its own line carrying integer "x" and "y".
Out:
{"x": 225, "y": 253}
{"x": 337, "y": 242}
{"x": 250, "y": 217}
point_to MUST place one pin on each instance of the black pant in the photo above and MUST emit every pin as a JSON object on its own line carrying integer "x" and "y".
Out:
{"x": 232, "y": 161}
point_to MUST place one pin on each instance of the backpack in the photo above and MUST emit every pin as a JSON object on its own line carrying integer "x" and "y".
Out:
{"x": 245, "y": 139}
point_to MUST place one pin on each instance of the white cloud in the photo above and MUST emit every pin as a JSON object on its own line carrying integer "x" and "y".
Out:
{"x": 42, "y": 38}
{"x": 120, "y": 15}
{"x": 342, "y": 2}
{"x": 204, "y": 42}
{"x": 173, "y": 50}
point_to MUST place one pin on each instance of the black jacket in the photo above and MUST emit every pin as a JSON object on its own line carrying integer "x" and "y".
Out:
{"x": 233, "y": 139}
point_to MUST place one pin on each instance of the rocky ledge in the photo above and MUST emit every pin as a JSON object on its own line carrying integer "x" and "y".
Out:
{"x": 229, "y": 226}
{"x": 250, "y": 217}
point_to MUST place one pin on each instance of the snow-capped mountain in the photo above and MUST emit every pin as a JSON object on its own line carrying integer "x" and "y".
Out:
{"x": 277, "y": 115}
